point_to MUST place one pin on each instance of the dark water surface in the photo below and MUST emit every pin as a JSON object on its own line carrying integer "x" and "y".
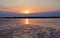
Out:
{"x": 50, "y": 22}
{"x": 30, "y": 28}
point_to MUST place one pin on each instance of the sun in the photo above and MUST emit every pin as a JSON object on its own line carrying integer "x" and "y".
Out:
{"x": 26, "y": 12}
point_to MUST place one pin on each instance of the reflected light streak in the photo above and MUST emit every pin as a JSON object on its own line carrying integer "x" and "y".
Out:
{"x": 27, "y": 21}
{"x": 24, "y": 21}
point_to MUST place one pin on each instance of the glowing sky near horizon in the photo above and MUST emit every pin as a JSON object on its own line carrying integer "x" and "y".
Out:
{"x": 32, "y": 5}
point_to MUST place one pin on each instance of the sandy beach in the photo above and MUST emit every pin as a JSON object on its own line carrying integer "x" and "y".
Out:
{"x": 28, "y": 31}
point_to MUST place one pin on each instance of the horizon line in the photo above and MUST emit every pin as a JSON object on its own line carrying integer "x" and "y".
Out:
{"x": 29, "y": 17}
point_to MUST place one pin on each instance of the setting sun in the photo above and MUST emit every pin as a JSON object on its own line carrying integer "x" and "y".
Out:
{"x": 26, "y": 12}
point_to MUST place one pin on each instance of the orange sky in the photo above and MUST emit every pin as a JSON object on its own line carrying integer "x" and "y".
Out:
{"x": 32, "y": 6}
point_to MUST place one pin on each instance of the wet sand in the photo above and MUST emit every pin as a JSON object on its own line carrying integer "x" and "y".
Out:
{"x": 28, "y": 31}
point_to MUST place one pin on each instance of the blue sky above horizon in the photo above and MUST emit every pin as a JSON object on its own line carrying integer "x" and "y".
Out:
{"x": 30, "y": 5}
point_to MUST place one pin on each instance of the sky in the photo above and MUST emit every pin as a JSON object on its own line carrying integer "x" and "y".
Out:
{"x": 29, "y": 5}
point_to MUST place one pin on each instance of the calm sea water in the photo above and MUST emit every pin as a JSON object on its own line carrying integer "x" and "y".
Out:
{"x": 50, "y": 22}
{"x": 30, "y": 28}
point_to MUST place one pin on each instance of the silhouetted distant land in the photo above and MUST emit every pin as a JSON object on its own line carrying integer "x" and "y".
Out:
{"x": 29, "y": 17}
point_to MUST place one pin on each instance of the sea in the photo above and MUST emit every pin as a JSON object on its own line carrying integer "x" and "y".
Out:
{"x": 30, "y": 28}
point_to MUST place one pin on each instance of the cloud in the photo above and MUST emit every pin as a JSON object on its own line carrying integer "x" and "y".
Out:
{"x": 4, "y": 8}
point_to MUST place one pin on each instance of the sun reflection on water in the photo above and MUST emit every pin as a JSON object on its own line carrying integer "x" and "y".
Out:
{"x": 26, "y": 22}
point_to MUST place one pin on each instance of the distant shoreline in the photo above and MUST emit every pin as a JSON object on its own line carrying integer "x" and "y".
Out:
{"x": 29, "y": 17}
